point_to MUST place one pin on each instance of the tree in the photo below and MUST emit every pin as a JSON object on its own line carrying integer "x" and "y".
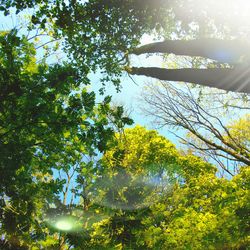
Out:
{"x": 138, "y": 166}
{"x": 112, "y": 29}
{"x": 198, "y": 210}
{"x": 206, "y": 212}
{"x": 234, "y": 78}
{"x": 49, "y": 121}
{"x": 201, "y": 115}
{"x": 141, "y": 186}
{"x": 138, "y": 172}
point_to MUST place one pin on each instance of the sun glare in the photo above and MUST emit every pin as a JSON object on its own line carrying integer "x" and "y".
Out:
{"x": 147, "y": 39}
{"x": 64, "y": 225}
{"x": 234, "y": 13}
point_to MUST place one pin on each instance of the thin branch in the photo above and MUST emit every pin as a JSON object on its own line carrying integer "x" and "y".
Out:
{"x": 51, "y": 41}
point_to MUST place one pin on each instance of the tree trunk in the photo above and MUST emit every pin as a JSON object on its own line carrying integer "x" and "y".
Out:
{"x": 237, "y": 80}
{"x": 225, "y": 51}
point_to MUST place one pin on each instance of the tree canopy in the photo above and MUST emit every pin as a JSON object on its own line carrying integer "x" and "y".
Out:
{"x": 76, "y": 175}
{"x": 46, "y": 115}
{"x": 101, "y": 35}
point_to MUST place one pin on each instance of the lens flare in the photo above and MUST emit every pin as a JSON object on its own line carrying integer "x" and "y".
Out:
{"x": 78, "y": 220}
{"x": 128, "y": 191}
{"x": 64, "y": 225}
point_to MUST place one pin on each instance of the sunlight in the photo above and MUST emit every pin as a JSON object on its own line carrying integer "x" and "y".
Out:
{"x": 147, "y": 39}
{"x": 67, "y": 223}
{"x": 234, "y": 13}
{"x": 64, "y": 225}
{"x": 124, "y": 124}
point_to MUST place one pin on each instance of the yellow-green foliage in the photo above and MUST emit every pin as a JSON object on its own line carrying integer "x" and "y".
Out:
{"x": 206, "y": 213}
{"x": 202, "y": 211}
{"x": 139, "y": 149}
{"x": 240, "y": 132}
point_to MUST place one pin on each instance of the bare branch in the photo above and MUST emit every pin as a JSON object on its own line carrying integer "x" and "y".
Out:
{"x": 180, "y": 107}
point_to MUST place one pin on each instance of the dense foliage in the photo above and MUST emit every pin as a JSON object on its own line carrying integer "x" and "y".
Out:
{"x": 74, "y": 177}
{"x": 49, "y": 121}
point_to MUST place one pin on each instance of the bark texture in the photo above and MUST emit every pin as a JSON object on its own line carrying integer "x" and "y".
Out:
{"x": 237, "y": 79}
{"x": 225, "y": 51}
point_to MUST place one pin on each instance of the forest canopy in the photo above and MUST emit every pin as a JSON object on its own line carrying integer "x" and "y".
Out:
{"x": 75, "y": 173}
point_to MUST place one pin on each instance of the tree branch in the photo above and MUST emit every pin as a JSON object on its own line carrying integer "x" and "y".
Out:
{"x": 226, "y": 51}
{"x": 237, "y": 80}
{"x": 178, "y": 108}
